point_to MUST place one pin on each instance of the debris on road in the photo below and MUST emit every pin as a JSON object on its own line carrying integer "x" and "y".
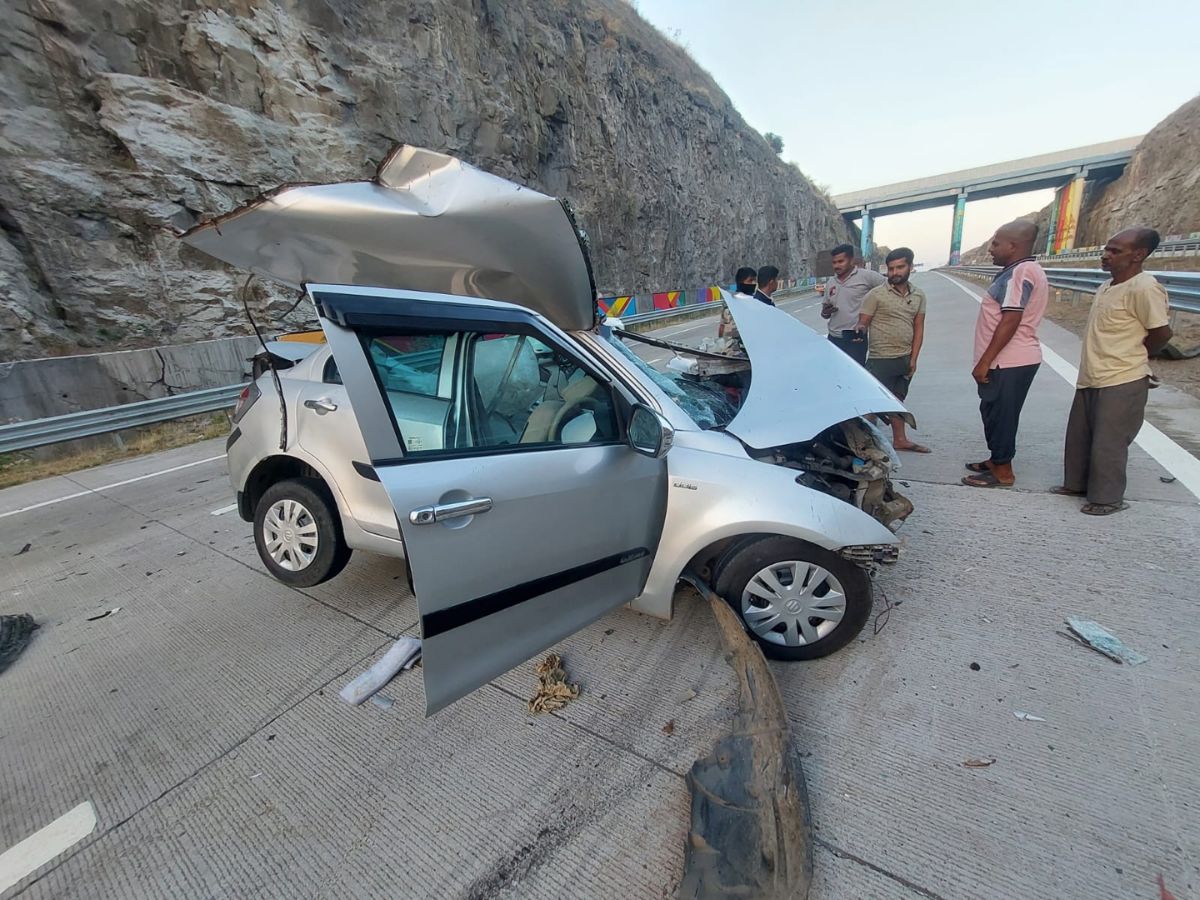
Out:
{"x": 669, "y": 728}
{"x": 23, "y": 550}
{"x": 15, "y": 635}
{"x": 383, "y": 701}
{"x": 1092, "y": 635}
{"x": 105, "y": 614}
{"x": 976, "y": 762}
{"x": 690, "y": 695}
{"x": 1166, "y": 479}
{"x": 553, "y": 692}
{"x": 1163, "y": 893}
{"x": 1027, "y": 717}
{"x": 974, "y": 667}
{"x": 402, "y": 655}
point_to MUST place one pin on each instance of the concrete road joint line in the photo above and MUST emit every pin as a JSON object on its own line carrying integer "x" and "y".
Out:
{"x": 27, "y": 856}
{"x": 254, "y": 729}
{"x": 259, "y": 572}
{"x": 866, "y": 864}
{"x": 106, "y": 487}
{"x": 600, "y": 737}
{"x": 1163, "y": 450}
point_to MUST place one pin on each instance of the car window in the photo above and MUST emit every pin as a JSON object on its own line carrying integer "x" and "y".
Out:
{"x": 408, "y": 363}
{"x": 330, "y": 374}
{"x": 487, "y": 391}
{"x": 528, "y": 392}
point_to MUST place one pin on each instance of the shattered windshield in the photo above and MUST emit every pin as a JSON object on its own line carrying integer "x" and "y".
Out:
{"x": 706, "y": 403}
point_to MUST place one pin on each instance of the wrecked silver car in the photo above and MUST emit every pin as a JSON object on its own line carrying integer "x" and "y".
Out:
{"x": 469, "y": 414}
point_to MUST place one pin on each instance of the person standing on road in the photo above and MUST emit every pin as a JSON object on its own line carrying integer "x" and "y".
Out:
{"x": 768, "y": 284}
{"x": 746, "y": 284}
{"x": 1007, "y": 350}
{"x": 893, "y": 315}
{"x": 844, "y": 295}
{"x": 1128, "y": 321}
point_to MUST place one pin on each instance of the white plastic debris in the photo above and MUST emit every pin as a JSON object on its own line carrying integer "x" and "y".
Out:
{"x": 402, "y": 655}
{"x": 1027, "y": 717}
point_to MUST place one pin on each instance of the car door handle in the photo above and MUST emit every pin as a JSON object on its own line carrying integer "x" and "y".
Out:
{"x": 427, "y": 515}
{"x": 322, "y": 405}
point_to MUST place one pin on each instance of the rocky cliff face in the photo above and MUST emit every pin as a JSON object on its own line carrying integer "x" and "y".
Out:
{"x": 1160, "y": 187}
{"x": 125, "y": 121}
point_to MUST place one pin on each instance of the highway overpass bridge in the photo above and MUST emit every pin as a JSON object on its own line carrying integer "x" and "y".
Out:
{"x": 1067, "y": 171}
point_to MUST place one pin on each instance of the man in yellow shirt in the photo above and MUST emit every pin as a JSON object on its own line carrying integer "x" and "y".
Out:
{"x": 1128, "y": 322}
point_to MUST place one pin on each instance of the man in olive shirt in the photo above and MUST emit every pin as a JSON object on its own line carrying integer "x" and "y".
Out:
{"x": 894, "y": 316}
{"x": 1127, "y": 322}
{"x": 844, "y": 295}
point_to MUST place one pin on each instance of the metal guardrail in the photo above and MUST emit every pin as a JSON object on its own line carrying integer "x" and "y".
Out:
{"x": 1180, "y": 247}
{"x": 53, "y": 430}
{"x": 657, "y": 314}
{"x": 1183, "y": 288}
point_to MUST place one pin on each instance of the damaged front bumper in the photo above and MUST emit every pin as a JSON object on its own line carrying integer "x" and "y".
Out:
{"x": 870, "y": 555}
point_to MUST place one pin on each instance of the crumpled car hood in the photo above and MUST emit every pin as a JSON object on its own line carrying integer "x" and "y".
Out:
{"x": 801, "y": 383}
{"x": 426, "y": 222}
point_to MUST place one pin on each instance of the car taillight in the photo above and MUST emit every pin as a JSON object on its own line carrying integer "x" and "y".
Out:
{"x": 246, "y": 399}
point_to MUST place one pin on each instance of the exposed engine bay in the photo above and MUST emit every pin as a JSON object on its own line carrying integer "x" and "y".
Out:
{"x": 852, "y": 460}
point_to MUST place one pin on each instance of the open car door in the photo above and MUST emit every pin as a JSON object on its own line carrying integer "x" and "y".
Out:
{"x": 525, "y": 513}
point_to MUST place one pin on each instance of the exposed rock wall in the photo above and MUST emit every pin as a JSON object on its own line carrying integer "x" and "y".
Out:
{"x": 124, "y": 121}
{"x": 1159, "y": 188}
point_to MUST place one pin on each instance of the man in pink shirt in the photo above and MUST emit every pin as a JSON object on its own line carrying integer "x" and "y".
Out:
{"x": 1007, "y": 350}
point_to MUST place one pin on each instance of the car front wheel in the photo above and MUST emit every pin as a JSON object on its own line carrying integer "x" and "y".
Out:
{"x": 298, "y": 533}
{"x": 797, "y": 600}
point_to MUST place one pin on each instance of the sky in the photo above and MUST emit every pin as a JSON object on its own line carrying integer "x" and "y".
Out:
{"x": 870, "y": 93}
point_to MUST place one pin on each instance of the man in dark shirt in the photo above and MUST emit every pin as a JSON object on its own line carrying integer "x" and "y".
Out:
{"x": 768, "y": 284}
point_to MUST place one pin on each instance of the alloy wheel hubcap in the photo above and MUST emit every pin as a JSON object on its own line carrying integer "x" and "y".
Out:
{"x": 290, "y": 533}
{"x": 793, "y": 603}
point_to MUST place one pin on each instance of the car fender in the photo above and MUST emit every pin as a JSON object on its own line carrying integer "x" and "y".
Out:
{"x": 716, "y": 496}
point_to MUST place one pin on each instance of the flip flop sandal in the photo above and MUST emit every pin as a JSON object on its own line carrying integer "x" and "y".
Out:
{"x": 1102, "y": 509}
{"x": 984, "y": 480}
{"x": 977, "y": 467}
{"x": 1064, "y": 491}
{"x": 915, "y": 448}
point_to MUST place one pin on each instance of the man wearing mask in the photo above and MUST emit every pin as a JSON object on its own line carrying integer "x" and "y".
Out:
{"x": 1007, "y": 350}
{"x": 768, "y": 284}
{"x": 746, "y": 285}
{"x": 844, "y": 295}
{"x": 1128, "y": 321}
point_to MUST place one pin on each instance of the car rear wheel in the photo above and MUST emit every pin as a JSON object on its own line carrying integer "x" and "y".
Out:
{"x": 298, "y": 533}
{"x": 797, "y": 600}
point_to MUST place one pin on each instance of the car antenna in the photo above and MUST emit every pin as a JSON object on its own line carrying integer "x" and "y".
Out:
{"x": 283, "y": 423}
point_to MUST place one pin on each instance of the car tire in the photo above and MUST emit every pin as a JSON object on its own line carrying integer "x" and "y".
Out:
{"x": 828, "y": 586}
{"x": 298, "y": 533}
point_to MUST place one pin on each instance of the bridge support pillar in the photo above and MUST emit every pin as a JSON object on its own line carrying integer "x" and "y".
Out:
{"x": 956, "y": 229}
{"x": 867, "y": 242}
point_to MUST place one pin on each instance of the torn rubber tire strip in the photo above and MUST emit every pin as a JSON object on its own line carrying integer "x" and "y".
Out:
{"x": 15, "y": 635}
{"x": 750, "y": 831}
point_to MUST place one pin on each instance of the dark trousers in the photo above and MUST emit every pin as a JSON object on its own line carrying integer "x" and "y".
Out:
{"x": 1102, "y": 425}
{"x": 1000, "y": 402}
{"x": 853, "y": 344}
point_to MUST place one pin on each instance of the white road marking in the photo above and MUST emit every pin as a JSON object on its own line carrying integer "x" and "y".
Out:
{"x": 108, "y": 487}
{"x": 42, "y": 846}
{"x": 1163, "y": 450}
{"x": 224, "y": 509}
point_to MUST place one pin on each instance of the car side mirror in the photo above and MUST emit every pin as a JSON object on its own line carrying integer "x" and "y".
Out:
{"x": 649, "y": 432}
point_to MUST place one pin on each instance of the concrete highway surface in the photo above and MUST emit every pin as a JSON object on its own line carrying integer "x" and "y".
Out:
{"x": 201, "y": 724}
